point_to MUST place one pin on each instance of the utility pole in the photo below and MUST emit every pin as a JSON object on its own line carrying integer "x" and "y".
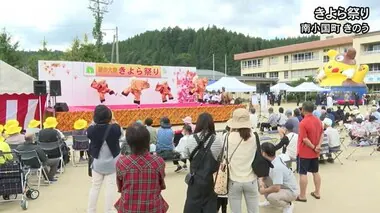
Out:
{"x": 117, "y": 44}
{"x": 113, "y": 48}
{"x": 99, "y": 8}
{"x": 225, "y": 65}
{"x": 213, "y": 66}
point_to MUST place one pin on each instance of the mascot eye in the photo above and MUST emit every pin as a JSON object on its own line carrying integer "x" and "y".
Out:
{"x": 339, "y": 58}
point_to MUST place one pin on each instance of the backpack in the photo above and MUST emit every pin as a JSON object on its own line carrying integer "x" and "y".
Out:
{"x": 260, "y": 165}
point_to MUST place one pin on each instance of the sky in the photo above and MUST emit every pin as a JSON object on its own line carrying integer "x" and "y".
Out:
{"x": 60, "y": 21}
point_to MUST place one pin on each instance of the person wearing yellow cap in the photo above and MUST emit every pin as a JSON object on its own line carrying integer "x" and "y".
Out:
{"x": 33, "y": 127}
{"x": 13, "y": 134}
{"x": 52, "y": 135}
{"x": 80, "y": 127}
{"x": 4, "y": 147}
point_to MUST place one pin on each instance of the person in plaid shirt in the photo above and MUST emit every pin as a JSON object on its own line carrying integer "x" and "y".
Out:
{"x": 140, "y": 176}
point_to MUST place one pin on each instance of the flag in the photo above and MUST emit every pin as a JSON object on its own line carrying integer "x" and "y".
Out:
{"x": 22, "y": 107}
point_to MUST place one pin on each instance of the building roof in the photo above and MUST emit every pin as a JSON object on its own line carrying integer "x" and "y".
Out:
{"x": 295, "y": 48}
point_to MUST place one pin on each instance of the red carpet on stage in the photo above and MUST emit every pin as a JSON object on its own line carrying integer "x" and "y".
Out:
{"x": 143, "y": 106}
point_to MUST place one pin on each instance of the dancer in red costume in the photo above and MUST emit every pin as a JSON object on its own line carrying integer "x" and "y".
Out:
{"x": 102, "y": 87}
{"x": 136, "y": 88}
{"x": 165, "y": 91}
{"x": 199, "y": 87}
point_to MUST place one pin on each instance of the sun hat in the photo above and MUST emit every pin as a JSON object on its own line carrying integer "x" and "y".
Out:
{"x": 13, "y": 129}
{"x": 80, "y": 124}
{"x": 187, "y": 120}
{"x": 50, "y": 122}
{"x": 12, "y": 122}
{"x": 33, "y": 123}
{"x": 240, "y": 119}
{"x": 327, "y": 121}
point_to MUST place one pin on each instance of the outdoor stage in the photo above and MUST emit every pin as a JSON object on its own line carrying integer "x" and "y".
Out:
{"x": 127, "y": 114}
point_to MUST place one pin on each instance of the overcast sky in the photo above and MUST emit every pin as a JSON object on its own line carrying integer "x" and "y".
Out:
{"x": 59, "y": 21}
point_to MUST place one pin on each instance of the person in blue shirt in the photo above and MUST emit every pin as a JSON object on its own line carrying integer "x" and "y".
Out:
{"x": 330, "y": 114}
{"x": 165, "y": 136}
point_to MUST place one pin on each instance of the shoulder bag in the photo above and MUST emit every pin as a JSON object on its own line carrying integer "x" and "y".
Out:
{"x": 260, "y": 165}
{"x": 222, "y": 175}
{"x": 90, "y": 158}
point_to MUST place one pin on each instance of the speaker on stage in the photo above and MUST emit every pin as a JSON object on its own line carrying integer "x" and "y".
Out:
{"x": 55, "y": 88}
{"x": 61, "y": 107}
{"x": 39, "y": 87}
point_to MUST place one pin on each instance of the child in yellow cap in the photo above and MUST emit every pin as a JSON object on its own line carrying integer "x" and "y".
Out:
{"x": 4, "y": 147}
{"x": 33, "y": 127}
{"x": 80, "y": 127}
{"x": 13, "y": 133}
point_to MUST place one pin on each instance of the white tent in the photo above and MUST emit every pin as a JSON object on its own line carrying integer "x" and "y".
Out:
{"x": 280, "y": 87}
{"x": 308, "y": 87}
{"x": 13, "y": 80}
{"x": 231, "y": 84}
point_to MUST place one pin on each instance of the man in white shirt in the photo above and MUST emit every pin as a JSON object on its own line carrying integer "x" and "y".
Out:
{"x": 255, "y": 101}
{"x": 333, "y": 139}
{"x": 253, "y": 118}
{"x": 280, "y": 188}
{"x": 281, "y": 117}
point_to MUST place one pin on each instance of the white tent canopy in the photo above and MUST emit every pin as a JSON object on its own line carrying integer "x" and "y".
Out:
{"x": 231, "y": 84}
{"x": 308, "y": 87}
{"x": 13, "y": 80}
{"x": 280, "y": 87}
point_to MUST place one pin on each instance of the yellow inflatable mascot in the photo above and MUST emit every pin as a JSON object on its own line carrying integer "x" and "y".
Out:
{"x": 342, "y": 70}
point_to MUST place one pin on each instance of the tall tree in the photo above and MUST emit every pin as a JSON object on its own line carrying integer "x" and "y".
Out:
{"x": 98, "y": 8}
{"x": 8, "y": 50}
{"x": 83, "y": 51}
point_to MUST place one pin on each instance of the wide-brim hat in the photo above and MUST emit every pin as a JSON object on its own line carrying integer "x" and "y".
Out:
{"x": 13, "y": 129}
{"x": 12, "y": 122}
{"x": 187, "y": 120}
{"x": 33, "y": 123}
{"x": 240, "y": 119}
{"x": 50, "y": 122}
{"x": 80, "y": 124}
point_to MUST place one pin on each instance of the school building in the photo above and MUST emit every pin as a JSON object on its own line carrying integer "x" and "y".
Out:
{"x": 289, "y": 63}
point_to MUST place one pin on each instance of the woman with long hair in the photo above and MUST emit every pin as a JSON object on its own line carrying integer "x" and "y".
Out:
{"x": 241, "y": 153}
{"x": 104, "y": 150}
{"x": 203, "y": 149}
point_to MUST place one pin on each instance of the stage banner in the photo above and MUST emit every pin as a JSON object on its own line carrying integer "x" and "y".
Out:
{"x": 89, "y": 84}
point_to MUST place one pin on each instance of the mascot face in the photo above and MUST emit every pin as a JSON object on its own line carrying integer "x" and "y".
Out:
{"x": 339, "y": 68}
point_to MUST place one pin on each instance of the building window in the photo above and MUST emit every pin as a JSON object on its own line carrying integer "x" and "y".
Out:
{"x": 253, "y": 63}
{"x": 374, "y": 67}
{"x": 273, "y": 75}
{"x": 345, "y": 50}
{"x": 273, "y": 60}
{"x": 302, "y": 57}
{"x": 372, "y": 48}
{"x": 325, "y": 50}
{"x": 259, "y": 75}
{"x": 325, "y": 58}
{"x": 286, "y": 59}
{"x": 286, "y": 74}
{"x": 296, "y": 74}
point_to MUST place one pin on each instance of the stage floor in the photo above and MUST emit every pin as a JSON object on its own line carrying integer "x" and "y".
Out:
{"x": 134, "y": 106}
{"x": 127, "y": 114}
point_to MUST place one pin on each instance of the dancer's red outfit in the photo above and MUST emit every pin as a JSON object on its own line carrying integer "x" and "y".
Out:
{"x": 102, "y": 88}
{"x": 199, "y": 87}
{"x": 136, "y": 88}
{"x": 165, "y": 91}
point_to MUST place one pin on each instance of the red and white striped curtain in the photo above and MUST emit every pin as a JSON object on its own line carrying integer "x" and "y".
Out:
{"x": 22, "y": 107}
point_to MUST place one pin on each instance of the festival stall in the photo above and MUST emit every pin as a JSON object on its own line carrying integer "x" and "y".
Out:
{"x": 343, "y": 75}
{"x": 231, "y": 84}
{"x": 280, "y": 87}
{"x": 133, "y": 92}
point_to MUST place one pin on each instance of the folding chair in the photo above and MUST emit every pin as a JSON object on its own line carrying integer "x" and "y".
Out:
{"x": 336, "y": 154}
{"x": 50, "y": 148}
{"x": 342, "y": 140}
{"x": 31, "y": 157}
{"x": 80, "y": 143}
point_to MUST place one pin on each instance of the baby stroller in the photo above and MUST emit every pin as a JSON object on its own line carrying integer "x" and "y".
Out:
{"x": 14, "y": 181}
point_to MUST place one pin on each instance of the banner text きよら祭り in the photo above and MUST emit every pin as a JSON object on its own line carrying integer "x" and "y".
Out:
{"x": 122, "y": 70}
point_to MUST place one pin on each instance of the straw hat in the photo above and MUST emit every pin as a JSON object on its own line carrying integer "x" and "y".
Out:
{"x": 12, "y": 122}
{"x": 50, "y": 122}
{"x": 12, "y": 129}
{"x": 33, "y": 124}
{"x": 240, "y": 119}
{"x": 187, "y": 120}
{"x": 80, "y": 124}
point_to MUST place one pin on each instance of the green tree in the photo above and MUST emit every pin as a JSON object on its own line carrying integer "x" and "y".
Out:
{"x": 8, "y": 50}
{"x": 84, "y": 51}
